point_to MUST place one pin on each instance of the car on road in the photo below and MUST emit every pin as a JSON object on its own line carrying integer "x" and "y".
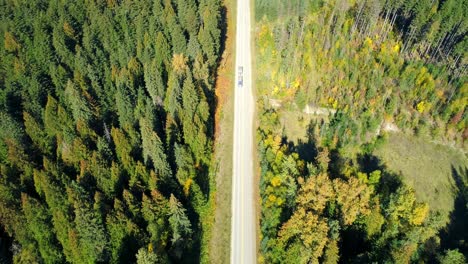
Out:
{"x": 240, "y": 76}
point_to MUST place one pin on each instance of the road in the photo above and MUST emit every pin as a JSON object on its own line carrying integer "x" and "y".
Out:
{"x": 243, "y": 234}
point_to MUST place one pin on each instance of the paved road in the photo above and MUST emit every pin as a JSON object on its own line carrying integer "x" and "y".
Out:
{"x": 243, "y": 234}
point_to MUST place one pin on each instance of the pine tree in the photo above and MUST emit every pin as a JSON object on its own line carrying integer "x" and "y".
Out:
{"x": 153, "y": 149}
{"x": 39, "y": 223}
{"x": 154, "y": 82}
{"x": 145, "y": 257}
{"x": 92, "y": 237}
{"x": 180, "y": 224}
{"x": 163, "y": 50}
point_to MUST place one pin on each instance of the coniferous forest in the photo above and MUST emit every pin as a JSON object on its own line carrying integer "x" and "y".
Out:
{"x": 106, "y": 129}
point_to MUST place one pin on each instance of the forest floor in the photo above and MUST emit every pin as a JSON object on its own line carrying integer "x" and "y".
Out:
{"x": 219, "y": 247}
{"x": 295, "y": 124}
{"x": 429, "y": 168}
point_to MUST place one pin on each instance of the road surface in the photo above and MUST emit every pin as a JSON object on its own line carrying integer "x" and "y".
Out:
{"x": 243, "y": 234}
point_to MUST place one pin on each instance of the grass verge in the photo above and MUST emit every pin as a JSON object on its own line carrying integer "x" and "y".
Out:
{"x": 256, "y": 124}
{"x": 218, "y": 237}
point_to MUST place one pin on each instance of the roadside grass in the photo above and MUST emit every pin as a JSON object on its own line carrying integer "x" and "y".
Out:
{"x": 219, "y": 235}
{"x": 427, "y": 167}
{"x": 256, "y": 124}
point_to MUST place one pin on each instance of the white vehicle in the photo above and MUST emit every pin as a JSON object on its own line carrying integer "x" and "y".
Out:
{"x": 240, "y": 78}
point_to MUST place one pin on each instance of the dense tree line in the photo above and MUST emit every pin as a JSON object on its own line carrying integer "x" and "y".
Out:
{"x": 365, "y": 60}
{"x": 435, "y": 29}
{"x": 373, "y": 65}
{"x": 106, "y": 126}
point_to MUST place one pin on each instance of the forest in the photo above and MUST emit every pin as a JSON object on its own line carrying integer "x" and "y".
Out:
{"x": 363, "y": 69}
{"x": 106, "y": 129}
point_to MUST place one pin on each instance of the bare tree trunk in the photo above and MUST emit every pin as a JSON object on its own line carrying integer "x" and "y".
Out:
{"x": 431, "y": 56}
{"x": 455, "y": 62}
{"x": 384, "y": 26}
{"x": 451, "y": 37}
{"x": 453, "y": 90}
{"x": 298, "y": 44}
{"x": 327, "y": 34}
{"x": 428, "y": 46}
{"x": 357, "y": 21}
{"x": 391, "y": 24}
{"x": 410, "y": 39}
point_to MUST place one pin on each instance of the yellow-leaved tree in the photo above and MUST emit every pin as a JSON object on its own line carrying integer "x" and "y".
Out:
{"x": 353, "y": 198}
{"x": 304, "y": 237}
